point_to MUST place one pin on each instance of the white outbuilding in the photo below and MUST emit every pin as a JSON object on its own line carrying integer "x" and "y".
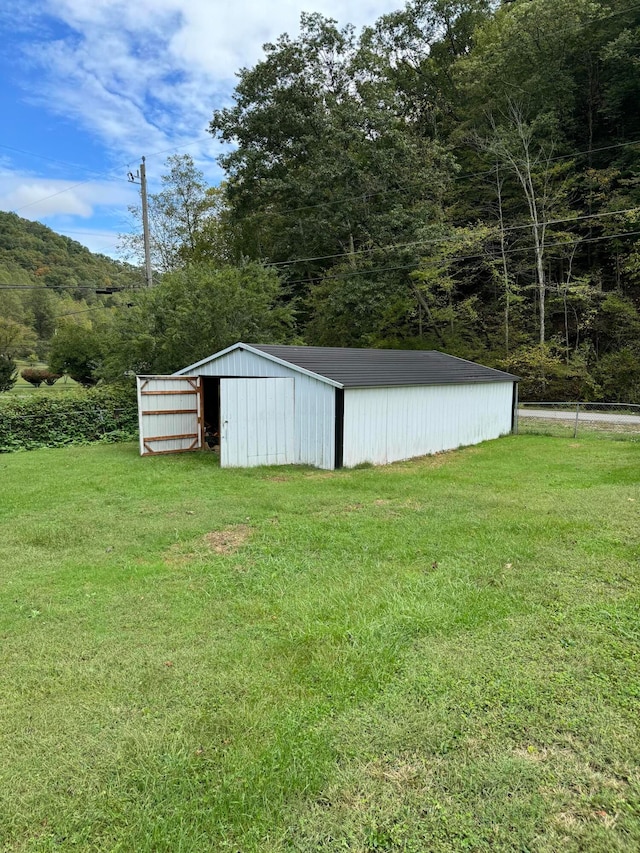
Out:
{"x": 324, "y": 406}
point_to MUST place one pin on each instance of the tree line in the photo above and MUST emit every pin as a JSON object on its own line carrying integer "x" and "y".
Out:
{"x": 460, "y": 175}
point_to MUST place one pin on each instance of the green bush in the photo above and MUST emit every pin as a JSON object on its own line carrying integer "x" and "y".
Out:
{"x": 545, "y": 375}
{"x": 619, "y": 375}
{"x": 36, "y": 376}
{"x": 106, "y": 413}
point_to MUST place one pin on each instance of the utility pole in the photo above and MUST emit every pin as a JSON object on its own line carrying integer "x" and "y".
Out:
{"x": 141, "y": 175}
{"x": 145, "y": 223}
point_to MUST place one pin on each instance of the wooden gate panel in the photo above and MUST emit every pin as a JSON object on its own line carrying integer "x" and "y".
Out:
{"x": 169, "y": 414}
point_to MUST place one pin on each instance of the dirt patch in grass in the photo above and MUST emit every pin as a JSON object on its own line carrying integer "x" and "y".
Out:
{"x": 320, "y": 475}
{"x": 531, "y": 753}
{"x": 430, "y": 461}
{"x": 227, "y": 541}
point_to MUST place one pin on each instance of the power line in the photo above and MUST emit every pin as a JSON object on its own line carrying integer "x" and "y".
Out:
{"x": 55, "y": 287}
{"x": 355, "y": 272}
{"x": 52, "y": 287}
{"x": 97, "y": 232}
{"x": 322, "y": 204}
{"x": 365, "y": 196}
{"x": 436, "y": 241}
{"x": 442, "y": 240}
{"x": 95, "y": 308}
{"x": 55, "y": 160}
{"x": 53, "y": 195}
{"x": 108, "y": 174}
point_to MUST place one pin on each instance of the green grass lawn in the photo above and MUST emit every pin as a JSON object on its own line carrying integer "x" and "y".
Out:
{"x": 440, "y": 655}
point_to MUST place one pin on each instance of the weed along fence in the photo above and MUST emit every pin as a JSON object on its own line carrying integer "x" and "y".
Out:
{"x": 608, "y": 420}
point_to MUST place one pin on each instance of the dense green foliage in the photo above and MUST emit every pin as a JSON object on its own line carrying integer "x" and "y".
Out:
{"x": 101, "y": 414}
{"x": 434, "y": 657}
{"x": 461, "y": 175}
{"x": 193, "y": 312}
{"x": 76, "y": 351}
{"x": 45, "y": 278}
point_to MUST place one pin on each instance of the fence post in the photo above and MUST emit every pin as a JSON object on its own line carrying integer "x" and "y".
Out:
{"x": 575, "y": 429}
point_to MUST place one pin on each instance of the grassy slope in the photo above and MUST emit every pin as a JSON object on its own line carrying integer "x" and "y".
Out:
{"x": 437, "y": 656}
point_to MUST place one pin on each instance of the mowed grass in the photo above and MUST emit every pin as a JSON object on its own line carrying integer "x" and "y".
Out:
{"x": 440, "y": 655}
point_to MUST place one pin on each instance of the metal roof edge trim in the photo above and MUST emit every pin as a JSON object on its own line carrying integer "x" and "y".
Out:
{"x": 513, "y": 377}
{"x": 293, "y": 366}
{"x": 185, "y": 370}
{"x": 510, "y": 380}
{"x": 262, "y": 354}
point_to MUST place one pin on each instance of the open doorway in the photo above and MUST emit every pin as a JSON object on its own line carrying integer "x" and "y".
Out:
{"x": 211, "y": 412}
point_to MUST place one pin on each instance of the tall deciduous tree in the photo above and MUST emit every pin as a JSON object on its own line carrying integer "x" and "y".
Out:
{"x": 325, "y": 168}
{"x": 77, "y": 350}
{"x": 193, "y": 312}
{"x": 514, "y": 145}
{"x": 16, "y": 339}
{"x": 184, "y": 219}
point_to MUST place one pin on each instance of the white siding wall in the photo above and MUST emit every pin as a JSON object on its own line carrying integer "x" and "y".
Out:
{"x": 387, "y": 424}
{"x": 257, "y": 421}
{"x": 314, "y": 403}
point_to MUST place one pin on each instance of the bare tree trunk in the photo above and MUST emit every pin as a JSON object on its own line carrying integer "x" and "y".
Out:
{"x": 505, "y": 271}
{"x": 539, "y": 250}
{"x": 564, "y": 301}
{"x": 425, "y": 306}
{"x": 520, "y": 160}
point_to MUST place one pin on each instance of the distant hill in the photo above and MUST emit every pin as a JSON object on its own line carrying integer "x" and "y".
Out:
{"x": 32, "y": 253}
{"x": 61, "y": 278}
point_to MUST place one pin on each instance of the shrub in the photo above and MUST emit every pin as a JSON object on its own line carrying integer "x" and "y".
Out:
{"x": 619, "y": 375}
{"x": 545, "y": 375}
{"x": 37, "y": 375}
{"x": 106, "y": 413}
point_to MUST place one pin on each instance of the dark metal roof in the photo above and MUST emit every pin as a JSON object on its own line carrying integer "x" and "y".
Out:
{"x": 363, "y": 368}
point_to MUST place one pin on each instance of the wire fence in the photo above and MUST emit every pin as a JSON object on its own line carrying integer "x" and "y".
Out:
{"x": 605, "y": 420}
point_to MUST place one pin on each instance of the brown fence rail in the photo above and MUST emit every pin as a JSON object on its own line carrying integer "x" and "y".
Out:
{"x": 608, "y": 420}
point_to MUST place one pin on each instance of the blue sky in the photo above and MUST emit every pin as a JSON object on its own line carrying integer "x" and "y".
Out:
{"x": 88, "y": 86}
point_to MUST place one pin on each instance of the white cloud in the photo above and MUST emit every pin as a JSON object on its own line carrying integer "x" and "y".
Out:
{"x": 40, "y": 198}
{"x": 147, "y": 76}
{"x": 141, "y": 78}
